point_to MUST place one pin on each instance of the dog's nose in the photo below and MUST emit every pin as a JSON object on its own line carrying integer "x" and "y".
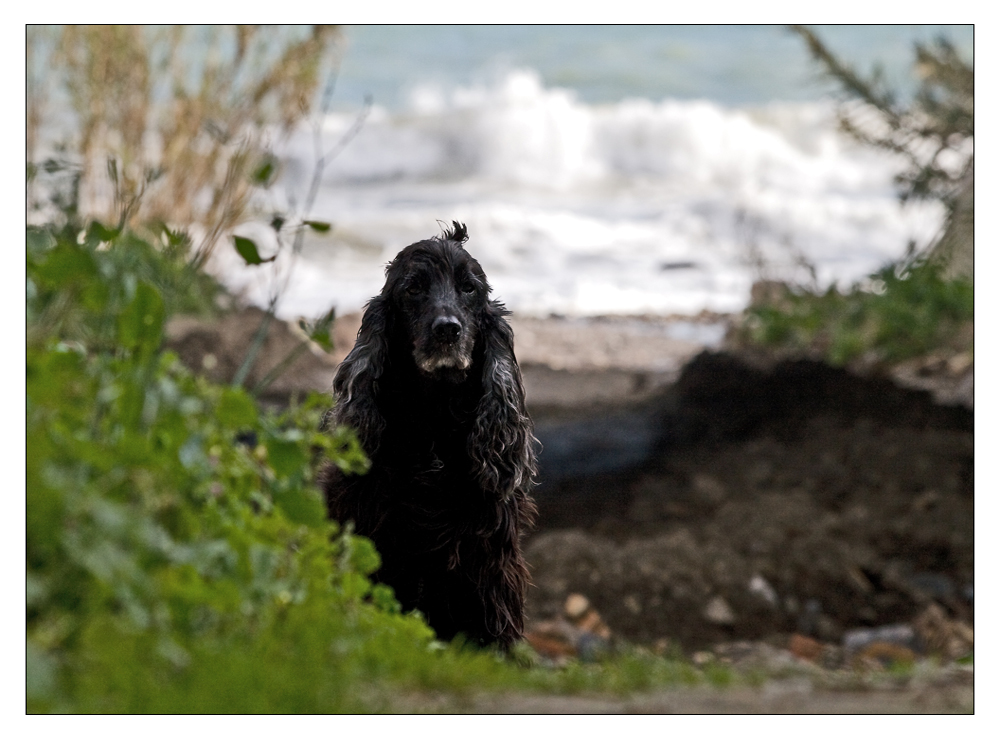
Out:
{"x": 446, "y": 328}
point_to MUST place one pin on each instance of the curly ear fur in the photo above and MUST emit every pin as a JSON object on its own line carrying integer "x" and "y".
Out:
{"x": 501, "y": 443}
{"x": 356, "y": 383}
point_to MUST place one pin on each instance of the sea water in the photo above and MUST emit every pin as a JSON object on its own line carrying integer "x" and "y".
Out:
{"x": 621, "y": 170}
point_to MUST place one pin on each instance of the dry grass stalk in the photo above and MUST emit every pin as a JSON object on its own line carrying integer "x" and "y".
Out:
{"x": 169, "y": 123}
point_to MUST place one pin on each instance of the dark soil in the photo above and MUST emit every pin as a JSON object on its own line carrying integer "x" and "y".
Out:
{"x": 755, "y": 501}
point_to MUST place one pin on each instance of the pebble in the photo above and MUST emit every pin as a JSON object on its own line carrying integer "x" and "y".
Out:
{"x": 805, "y": 647}
{"x": 718, "y": 611}
{"x": 584, "y": 617}
{"x": 584, "y": 636}
{"x": 702, "y": 657}
{"x": 576, "y": 605}
{"x": 899, "y": 635}
{"x": 759, "y": 586}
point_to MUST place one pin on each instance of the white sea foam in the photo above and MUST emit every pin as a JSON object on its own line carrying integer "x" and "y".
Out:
{"x": 639, "y": 206}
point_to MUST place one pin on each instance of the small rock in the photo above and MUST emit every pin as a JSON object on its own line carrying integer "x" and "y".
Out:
{"x": 805, "y": 647}
{"x": 959, "y": 362}
{"x": 718, "y": 611}
{"x": 702, "y": 658}
{"x": 585, "y": 636}
{"x": 576, "y": 605}
{"x": 857, "y": 640}
{"x": 759, "y": 586}
{"x": 584, "y": 617}
{"x": 592, "y": 624}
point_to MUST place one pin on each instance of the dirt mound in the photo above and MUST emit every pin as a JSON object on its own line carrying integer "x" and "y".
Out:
{"x": 789, "y": 498}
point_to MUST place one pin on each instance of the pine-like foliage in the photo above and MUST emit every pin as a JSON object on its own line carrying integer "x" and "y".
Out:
{"x": 934, "y": 131}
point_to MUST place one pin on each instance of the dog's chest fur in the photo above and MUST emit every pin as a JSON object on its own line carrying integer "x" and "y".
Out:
{"x": 428, "y": 433}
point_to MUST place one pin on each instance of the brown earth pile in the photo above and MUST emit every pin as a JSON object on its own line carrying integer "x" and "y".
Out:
{"x": 796, "y": 498}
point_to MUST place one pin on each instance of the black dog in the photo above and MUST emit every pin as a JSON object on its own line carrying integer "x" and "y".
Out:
{"x": 434, "y": 393}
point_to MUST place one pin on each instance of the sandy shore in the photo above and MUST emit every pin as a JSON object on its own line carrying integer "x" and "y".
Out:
{"x": 568, "y": 363}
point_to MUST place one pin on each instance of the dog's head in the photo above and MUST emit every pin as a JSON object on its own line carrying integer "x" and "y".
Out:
{"x": 435, "y": 309}
{"x": 440, "y": 292}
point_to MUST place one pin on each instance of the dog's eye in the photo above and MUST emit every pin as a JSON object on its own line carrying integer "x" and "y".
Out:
{"x": 414, "y": 288}
{"x": 468, "y": 288}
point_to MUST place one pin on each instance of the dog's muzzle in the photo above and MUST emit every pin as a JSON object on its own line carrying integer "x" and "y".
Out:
{"x": 450, "y": 346}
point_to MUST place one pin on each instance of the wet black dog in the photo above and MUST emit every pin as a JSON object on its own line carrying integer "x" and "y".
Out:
{"x": 434, "y": 393}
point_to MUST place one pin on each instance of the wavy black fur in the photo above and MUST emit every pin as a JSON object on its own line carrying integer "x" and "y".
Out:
{"x": 434, "y": 393}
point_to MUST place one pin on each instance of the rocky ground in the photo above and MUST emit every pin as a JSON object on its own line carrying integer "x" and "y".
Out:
{"x": 808, "y": 522}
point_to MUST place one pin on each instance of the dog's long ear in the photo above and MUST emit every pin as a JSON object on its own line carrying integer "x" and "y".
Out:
{"x": 356, "y": 382}
{"x": 502, "y": 444}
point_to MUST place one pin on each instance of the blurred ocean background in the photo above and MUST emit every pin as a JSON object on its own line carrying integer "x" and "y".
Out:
{"x": 600, "y": 170}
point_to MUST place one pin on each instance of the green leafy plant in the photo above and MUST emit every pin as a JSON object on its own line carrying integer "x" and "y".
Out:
{"x": 898, "y": 313}
{"x": 178, "y": 553}
{"x": 160, "y": 508}
{"x": 925, "y": 302}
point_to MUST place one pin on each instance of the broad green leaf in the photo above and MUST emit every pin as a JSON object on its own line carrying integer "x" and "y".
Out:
{"x": 362, "y": 554}
{"x": 263, "y": 175}
{"x": 67, "y": 264}
{"x": 319, "y": 331}
{"x": 97, "y": 232}
{"x": 285, "y": 456}
{"x": 248, "y": 250}
{"x": 301, "y": 506}
{"x": 235, "y": 409}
